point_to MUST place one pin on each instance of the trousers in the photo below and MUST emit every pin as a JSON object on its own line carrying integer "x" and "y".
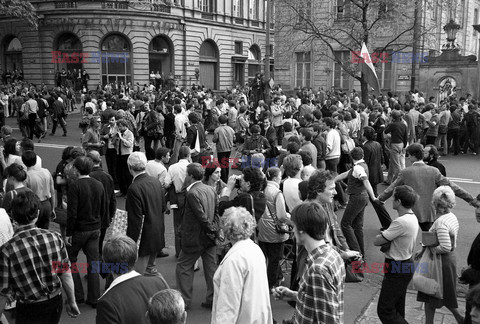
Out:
{"x": 185, "y": 272}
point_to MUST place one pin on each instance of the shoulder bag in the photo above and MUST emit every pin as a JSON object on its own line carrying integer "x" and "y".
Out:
{"x": 279, "y": 227}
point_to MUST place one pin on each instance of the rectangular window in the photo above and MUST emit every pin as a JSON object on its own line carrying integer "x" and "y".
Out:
{"x": 384, "y": 72}
{"x": 342, "y": 9}
{"x": 475, "y": 19}
{"x": 382, "y": 8}
{"x": 303, "y": 69}
{"x": 304, "y": 8}
{"x": 341, "y": 79}
{"x": 238, "y": 8}
{"x": 205, "y": 5}
{"x": 238, "y": 47}
{"x": 254, "y": 9}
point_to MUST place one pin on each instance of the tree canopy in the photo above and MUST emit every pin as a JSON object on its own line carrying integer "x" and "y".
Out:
{"x": 21, "y": 9}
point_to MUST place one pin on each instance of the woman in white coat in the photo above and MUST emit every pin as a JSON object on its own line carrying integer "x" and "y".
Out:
{"x": 241, "y": 292}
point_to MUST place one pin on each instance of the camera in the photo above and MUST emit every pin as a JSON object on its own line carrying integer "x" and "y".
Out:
{"x": 237, "y": 181}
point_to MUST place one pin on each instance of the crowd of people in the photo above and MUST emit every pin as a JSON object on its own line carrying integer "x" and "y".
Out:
{"x": 302, "y": 158}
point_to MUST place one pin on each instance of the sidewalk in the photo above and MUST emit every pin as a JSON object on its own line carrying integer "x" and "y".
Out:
{"x": 414, "y": 311}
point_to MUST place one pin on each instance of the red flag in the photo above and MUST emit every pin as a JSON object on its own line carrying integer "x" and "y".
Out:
{"x": 369, "y": 70}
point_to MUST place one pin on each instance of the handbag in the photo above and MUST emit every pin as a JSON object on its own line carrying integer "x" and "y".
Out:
{"x": 119, "y": 226}
{"x": 279, "y": 227}
{"x": 430, "y": 239}
{"x": 428, "y": 277}
{"x": 350, "y": 275}
{"x": 61, "y": 218}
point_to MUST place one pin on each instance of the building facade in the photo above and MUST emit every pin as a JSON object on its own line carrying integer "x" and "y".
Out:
{"x": 216, "y": 43}
{"x": 303, "y": 60}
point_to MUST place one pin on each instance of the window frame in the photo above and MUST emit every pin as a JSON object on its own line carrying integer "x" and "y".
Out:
{"x": 303, "y": 69}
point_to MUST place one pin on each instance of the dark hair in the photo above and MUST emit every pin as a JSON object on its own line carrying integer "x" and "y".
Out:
{"x": 415, "y": 150}
{"x": 161, "y": 153}
{"x": 369, "y": 133}
{"x": 306, "y": 157}
{"x": 84, "y": 123}
{"x": 307, "y": 133}
{"x": 184, "y": 152}
{"x": 330, "y": 122}
{"x": 76, "y": 152}
{"x": 27, "y": 144}
{"x": 311, "y": 218}
{"x": 433, "y": 151}
{"x": 407, "y": 196}
{"x": 83, "y": 164}
{"x": 295, "y": 139}
{"x": 194, "y": 118}
{"x": 210, "y": 169}
{"x": 287, "y": 127}
{"x": 66, "y": 153}
{"x": 254, "y": 129}
{"x": 196, "y": 171}
{"x": 357, "y": 153}
{"x": 222, "y": 119}
{"x": 16, "y": 171}
{"x": 318, "y": 182}
{"x": 29, "y": 158}
{"x": 10, "y": 147}
{"x": 473, "y": 296}
{"x": 25, "y": 207}
{"x": 255, "y": 177}
{"x": 272, "y": 173}
{"x": 293, "y": 147}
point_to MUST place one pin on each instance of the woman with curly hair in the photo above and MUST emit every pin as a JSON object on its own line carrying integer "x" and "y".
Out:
{"x": 241, "y": 293}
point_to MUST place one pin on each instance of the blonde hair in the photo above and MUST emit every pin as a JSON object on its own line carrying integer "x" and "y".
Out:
{"x": 443, "y": 199}
{"x": 238, "y": 224}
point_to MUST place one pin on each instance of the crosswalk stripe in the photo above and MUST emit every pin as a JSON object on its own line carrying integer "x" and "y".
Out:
{"x": 59, "y": 146}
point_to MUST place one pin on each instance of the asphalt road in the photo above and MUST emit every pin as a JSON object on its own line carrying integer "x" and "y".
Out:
{"x": 464, "y": 169}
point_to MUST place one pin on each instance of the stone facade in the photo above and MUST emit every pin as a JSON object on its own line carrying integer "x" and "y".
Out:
{"x": 230, "y": 30}
{"x": 395, "y": 75}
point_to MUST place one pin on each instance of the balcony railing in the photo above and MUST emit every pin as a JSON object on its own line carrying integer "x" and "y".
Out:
{"x": 65, "y": 4}
{"x": 162, "y": 8}
{"x": 115, "y": 5}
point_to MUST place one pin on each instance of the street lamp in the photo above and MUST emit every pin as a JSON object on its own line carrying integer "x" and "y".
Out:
{"x": 451, "y": 29}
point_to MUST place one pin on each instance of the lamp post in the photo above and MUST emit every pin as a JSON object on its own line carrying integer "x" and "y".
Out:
{"x": 267, "y": 53}
{"x": 451, "y": 29}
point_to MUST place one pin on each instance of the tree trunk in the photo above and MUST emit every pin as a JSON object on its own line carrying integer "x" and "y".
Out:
{"x": 364, "y": 89}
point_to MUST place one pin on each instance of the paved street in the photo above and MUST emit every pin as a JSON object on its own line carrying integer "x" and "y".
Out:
{"x": 360, "y": 299}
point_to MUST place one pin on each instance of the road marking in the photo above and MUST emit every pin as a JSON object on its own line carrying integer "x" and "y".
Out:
{"x": 461, "y": 180}
{"x": 57, "y": 146}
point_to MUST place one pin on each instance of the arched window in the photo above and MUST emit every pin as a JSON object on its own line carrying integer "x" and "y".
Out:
{"x": 160, "y": 60}
{"x": 12, "y": 52}
{"x": 69, "y": 56}
{"x": 116, "y": 59}
{"x": 254, "y": 61}
{"x": 209, "y": 64}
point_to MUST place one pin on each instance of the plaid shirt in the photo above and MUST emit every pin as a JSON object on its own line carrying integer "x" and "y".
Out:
{"x": 320, "y": 294}
{"x": 26, "y": 263}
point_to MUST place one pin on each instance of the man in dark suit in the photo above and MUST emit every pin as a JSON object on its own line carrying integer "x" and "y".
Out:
{"x": 196, "y": 129}
{"x": 374, "y": 158}
{"x": 145, "y": 205}
{"x": 270, "y": 133}
{"x": 110, "y": 200}
{"x": 126, "y": 300}
{"x": 198, "y": 232}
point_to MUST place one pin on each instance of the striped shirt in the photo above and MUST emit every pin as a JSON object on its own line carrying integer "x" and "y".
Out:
{"x": 26, "y": 263}
{"x": 446, "y": 227}
{"x": 320, "y": 294}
